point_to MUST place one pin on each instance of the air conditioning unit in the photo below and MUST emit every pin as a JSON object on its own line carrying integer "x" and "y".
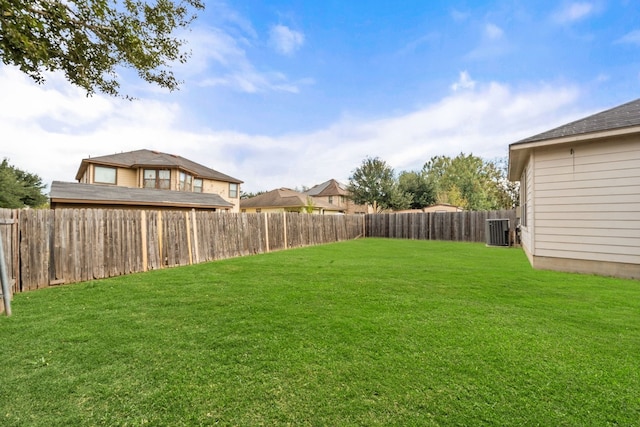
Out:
{"x": 497, "y": 232}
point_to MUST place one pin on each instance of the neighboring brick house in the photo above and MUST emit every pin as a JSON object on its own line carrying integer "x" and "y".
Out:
{"x": 336, "y": 194}
{"x": 287, "y": 200}
{"x": 145, "y": 178}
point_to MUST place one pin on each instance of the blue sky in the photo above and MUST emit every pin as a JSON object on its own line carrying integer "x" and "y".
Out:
{"x": 292, "y": 93}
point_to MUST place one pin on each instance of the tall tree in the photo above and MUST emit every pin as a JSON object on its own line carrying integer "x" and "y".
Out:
{"x": 19, "y": 189}
{"x": 374, "y": 183}
{"x": 468, "y": 180}
{"x": 89, "y": 39}
{"x": 418, "y": 188}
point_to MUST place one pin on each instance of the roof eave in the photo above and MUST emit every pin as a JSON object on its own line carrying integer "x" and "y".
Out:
{"x": 519, "y": 151}
{"x": 138, "y": 203}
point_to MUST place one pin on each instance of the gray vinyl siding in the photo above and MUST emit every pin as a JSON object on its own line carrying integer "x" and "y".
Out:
{"x": 587, "y": 201}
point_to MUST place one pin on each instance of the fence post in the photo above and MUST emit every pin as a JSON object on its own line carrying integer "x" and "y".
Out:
{"x": 196, "y": 242}
{"x": 188, "y": 231}
{"x": 143, "y": 235}
{"x": 266, "y": 231}
{"x": 4, "y": 278}
{"x": 284, "y": 228}
{"x": 160, "y": 256}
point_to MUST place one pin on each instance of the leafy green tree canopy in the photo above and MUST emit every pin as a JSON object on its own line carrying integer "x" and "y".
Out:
{"x": 89, "y": 39}
{"x": 374, "y": 183}
{"x": 19, "y": 189}
{"x": 418, "y": 188}
{"x": 468, "y": 181}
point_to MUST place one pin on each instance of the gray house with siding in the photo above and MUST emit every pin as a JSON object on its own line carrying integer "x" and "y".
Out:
{"x": 580, "y": 194}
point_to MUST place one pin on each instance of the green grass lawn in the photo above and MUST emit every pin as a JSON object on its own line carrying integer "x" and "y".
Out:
{"x": 361, "y": 333}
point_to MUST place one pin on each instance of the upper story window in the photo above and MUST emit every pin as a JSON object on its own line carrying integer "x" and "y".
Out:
{"x": 186, "y": 182}
{"x": 157, "y": 178}
{"x": 104, "y": 175}
{"x": 233, "y": 190}
{"x": 331, "y": 199}
{"x": 197, "y": 185}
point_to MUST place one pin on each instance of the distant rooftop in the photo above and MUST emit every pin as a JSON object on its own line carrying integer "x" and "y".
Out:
{"x": 328, "y": 188}
{"x": 150, "y": 158}
{"x": 110, "y": 194}
{"x": 284, "y": 198}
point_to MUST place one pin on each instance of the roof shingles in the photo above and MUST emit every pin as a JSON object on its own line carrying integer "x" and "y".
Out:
{"x": 284, "y": 198}
{"x": 622, "y": 116}
{"x": 142, "y": 158}
{"x": 110, "y": 194}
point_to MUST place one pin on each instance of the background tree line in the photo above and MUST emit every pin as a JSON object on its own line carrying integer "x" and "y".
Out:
{"x": 20, "y": 189}
{"x": 466, "y": 181}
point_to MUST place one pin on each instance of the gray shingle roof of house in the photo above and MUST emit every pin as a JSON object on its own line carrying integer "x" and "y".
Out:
{"x": 284, "y": 198}
{"x": 328, "y": 188}
{"x": 625, "y": 115}
{"x": 111, "y": 194}
{"x": 149, "y": 158}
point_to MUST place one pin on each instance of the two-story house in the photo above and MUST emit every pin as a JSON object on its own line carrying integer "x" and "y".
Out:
{"x": 337, "y": 194}
{"x": 147, "y": 179}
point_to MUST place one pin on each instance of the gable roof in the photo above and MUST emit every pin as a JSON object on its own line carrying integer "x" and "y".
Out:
{"x": 74, "y": 192}
{"x": 625, "y": 115}
{"x": 148, "y": 158}
{"x": 621, "y": 120}
{"x": 328, "y": 188}
{"x": 284, "y": 198}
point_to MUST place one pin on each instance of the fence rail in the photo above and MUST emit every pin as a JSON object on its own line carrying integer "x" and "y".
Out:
{"x": 51, "y": 247}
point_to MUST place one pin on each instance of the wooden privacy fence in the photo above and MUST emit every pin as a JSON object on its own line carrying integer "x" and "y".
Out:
{"x": 455, "y": 226}
{"x": 51, "y": 247}
{"x": 46, "y": 247}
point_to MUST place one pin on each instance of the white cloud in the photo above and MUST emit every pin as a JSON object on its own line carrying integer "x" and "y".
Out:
{"x": 225, "y": 61}
{"x": 415, "y": 44}
{"x": 51, "y": 140}
{"x": 491, "y": 45}
{"x": 464, "y": 82}
{"x": 632, "y": 37}
{"x": 493, "y": 32}
{"x": 459, "y": 16}
{"x": 285, "y": 40}
{"x": 573, "y": 12}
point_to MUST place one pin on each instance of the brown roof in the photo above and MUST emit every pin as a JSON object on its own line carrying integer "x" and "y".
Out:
{"x": 148, "y": 158}
{"x": 284, "y": 198}
{"x": 74, "y": 192}
{"x": 328, "y": 188}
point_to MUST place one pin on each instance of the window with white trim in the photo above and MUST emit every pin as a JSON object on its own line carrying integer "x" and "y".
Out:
{"x": 197, "y": 185}
{"x": 233, "y": 190}
{"x": 104, "y": 175}
{"x": 186, "y": 182}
